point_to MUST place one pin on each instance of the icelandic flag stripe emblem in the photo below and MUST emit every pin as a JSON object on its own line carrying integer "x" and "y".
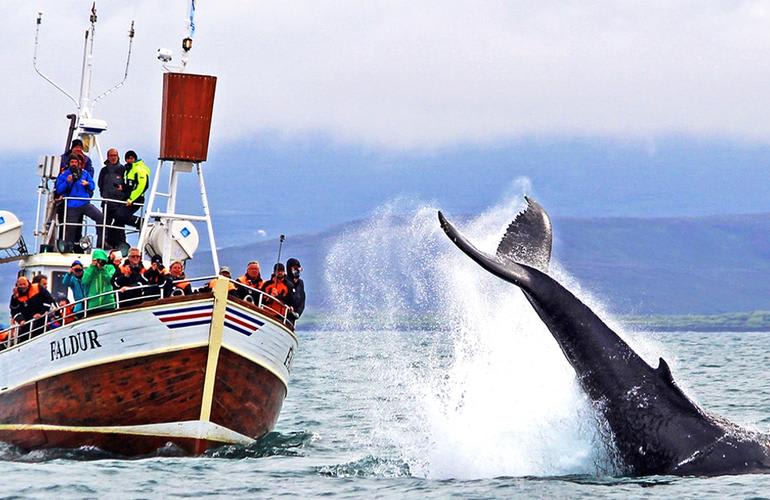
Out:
{"x": 185, "y": 316}
{"x": 240, "y": 322}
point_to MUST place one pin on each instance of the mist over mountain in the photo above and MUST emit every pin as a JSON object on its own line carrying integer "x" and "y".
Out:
{"x": 694, "y": 265}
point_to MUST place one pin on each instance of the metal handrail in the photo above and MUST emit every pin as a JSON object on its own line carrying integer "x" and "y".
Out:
{"x": 95, "y": 225}
{"x": 45, "y": 322}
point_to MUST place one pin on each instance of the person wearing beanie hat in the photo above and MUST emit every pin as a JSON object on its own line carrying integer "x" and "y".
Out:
{"x": 76, "y": 148}
{"x": 73, "y": 281}
{"x": 296, "y": 287}
{"x": 155, "y": 276}
{"x": 277, "y": 290}
{"x": 136, "y": 180}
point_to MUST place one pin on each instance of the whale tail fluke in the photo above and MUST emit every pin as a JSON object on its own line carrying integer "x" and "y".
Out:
{"x": 507, "y": 270}
{"x": 528, "y": 239}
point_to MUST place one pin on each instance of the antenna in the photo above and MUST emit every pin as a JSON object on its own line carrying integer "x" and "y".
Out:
{"x": 84, "y": 104}
{"x": 128, "y": 61}
{"x": 34, "y": 61}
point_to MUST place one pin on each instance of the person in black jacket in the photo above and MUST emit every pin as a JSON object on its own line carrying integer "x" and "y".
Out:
{"x": 29, "y": 302}
{"x": 296, "y": 287}
{"x": 111, "y": 187}
{"x": 130, "y": 275}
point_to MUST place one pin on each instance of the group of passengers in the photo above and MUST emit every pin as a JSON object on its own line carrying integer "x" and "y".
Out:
{"x": 121, "y": 187}
{"x": 111, "y": 282}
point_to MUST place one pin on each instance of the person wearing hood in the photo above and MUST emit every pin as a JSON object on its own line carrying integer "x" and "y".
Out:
{"x": 97, "y": 280}
{"x": 111, "y": 187}
{"x": 296, "y": 287}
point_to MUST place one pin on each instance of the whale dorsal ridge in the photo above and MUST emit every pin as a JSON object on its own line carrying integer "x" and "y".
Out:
{"x": 528, "y": 239}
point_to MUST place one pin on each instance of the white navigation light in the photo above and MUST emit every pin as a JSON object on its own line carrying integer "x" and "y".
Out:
{"x": 184, "y": 239}
{"x": 10, "y": 229}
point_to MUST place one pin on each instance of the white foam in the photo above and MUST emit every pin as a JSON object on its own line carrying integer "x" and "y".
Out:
{"x": 493, "y": 395}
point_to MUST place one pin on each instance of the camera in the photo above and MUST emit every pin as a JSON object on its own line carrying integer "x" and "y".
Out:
{"x": 75, "y": 171}
{"x": 164, "y": 55}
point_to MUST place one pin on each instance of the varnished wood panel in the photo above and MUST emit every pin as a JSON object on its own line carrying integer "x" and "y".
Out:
{"x": 247, "y": 397}
{"x": 151, "y": 389}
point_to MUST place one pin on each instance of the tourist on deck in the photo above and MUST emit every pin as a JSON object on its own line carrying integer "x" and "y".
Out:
{"x": 277, "y": 290}
{"x": 175, "y": 283}
{"x": 223, "y": 271}
{"x": 128, "y": 278}
{"x": 77, "y": 149}
{"x": 296, "y": 287}
{"x": 29, "y": 302}
{"x": 97, "y": 280}
{"x": 77, "y": 183}
{"x": 111, "y": 187}
{"x": 63, "y": 313}
{"x": 136, "y": 179}
{"x": 155, "y": 276}
{"x": 72, "y": 280}
{"x": 252, "y": 279}
{"x": 115, "y": 260}
{"x": 40, "y": 280}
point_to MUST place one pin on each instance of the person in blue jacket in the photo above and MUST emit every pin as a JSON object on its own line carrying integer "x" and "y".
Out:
{"x": 78, "y": 183}
{"x": 73, "y": 280}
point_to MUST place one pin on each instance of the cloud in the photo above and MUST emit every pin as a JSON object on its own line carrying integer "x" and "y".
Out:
{"x": 407, "y": 75}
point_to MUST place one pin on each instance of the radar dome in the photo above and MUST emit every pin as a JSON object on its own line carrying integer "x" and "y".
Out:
{"x": 10, "y": 229}
{"x": 184, "y": 239}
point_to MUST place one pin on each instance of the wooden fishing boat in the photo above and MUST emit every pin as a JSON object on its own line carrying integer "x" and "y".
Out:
{"x": 197, "y": 371}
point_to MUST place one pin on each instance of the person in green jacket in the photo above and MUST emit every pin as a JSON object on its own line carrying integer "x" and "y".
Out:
{"x": 97, "y": 279}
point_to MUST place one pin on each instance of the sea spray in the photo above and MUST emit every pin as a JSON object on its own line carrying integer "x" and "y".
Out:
{"x": 493, "y": 395}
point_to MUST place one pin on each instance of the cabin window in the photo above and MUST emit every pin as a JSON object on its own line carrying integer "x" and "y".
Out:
{"x": 55, "y": 285}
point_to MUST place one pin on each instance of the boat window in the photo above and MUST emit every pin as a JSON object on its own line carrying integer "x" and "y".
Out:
{"x": 55, "y": 285}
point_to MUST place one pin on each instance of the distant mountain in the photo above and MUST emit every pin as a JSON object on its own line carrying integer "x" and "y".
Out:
{"x": 699, "y": 265}
{"x": 638, "y": 266}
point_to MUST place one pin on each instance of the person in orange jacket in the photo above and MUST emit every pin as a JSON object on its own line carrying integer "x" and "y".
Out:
{"x": 277, "y": 290}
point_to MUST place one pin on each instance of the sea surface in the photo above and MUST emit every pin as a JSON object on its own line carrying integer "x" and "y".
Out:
{"x": 395, "y": 414}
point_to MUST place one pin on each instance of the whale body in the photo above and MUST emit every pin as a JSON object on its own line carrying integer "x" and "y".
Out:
{"x": 656, "y": 429}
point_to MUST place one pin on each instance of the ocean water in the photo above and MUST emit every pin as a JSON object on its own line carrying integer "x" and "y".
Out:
{"x": 390, "y": 414}
{"x": 484, "y": 406}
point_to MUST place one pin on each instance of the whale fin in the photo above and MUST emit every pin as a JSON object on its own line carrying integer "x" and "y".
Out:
{"x": 528, "y": 239}
{"x": 664, "y": 371}
{"x": 510, "y": 271}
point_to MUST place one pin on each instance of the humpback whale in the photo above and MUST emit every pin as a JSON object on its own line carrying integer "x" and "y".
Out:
{"x": 655, "y": 428}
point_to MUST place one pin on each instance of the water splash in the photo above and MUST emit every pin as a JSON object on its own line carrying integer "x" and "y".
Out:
{"x": 493, "y": 396}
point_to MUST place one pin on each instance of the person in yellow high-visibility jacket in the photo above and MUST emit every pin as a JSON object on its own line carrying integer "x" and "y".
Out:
{"x": 136, "y": 180}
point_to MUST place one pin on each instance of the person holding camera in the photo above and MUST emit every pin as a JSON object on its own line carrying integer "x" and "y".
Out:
{"x": 76, "y": 148}
{"x": 73, "y": 281}
{"x": 74, "y": 182}
{"x": 111, "y": 188}
{"x": 97, "y": 280}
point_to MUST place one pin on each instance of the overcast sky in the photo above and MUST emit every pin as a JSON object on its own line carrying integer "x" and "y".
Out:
{"x": 405, "y": 75}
